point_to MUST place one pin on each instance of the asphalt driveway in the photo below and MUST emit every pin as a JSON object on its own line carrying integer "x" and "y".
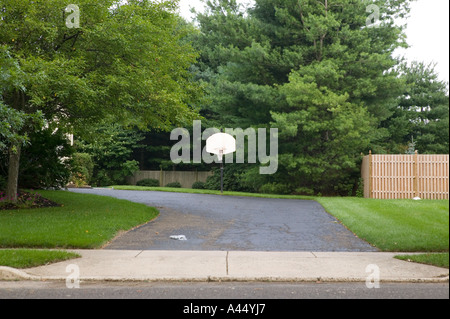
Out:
{"x": 212, "y": 222}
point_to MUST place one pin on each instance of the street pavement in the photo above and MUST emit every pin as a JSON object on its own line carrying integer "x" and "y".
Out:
{"x": 281, "y": 299}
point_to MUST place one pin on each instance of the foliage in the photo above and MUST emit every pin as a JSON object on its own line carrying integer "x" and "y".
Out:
{"x": 148, "y": 182}
{"x": 360, "y": 189}
{"x": 275, "y": 188}
{"x": 12, "y": 126}
{"x": 198, "y": 185}
{"x": 313, "y": 69}
{"x": 111, "y": 148}
{"x": 106, "y": 177}
{"x": 82, "y": 169}
{"x": 174, "y": 185}
{"x": 421, "y": 120}
{"x": 127, "y": 61}
{"x": 107, "y": 61}
{"x": 233, "y": 179}
{"x": 45, "y": 160}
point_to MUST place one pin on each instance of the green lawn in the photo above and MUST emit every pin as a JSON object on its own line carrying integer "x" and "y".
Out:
{"x": 84, "y": 221}
{"x": 440, "y": 260}
{"x": 27, "y": 258}
{"x": 395, "y": 225}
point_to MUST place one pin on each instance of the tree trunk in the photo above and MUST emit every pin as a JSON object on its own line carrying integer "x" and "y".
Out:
{"x": 13, "y": 172}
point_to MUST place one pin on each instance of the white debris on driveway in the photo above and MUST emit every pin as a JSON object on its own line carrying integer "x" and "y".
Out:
{"x": 178, "y": 237}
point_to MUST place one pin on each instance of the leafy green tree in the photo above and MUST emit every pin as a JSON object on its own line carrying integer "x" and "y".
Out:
{"x": 342, "y": 90}
{"x": 321, "y": 71}
{"x": 125, "y": 60}
{"x": 239, "y": 71}
{"x": 320, "y": 137}
{"x": 422, "y": 115}
{"x": 45, "y": 161}
{"x": 15, "y": 127}
{"x": 111, "y": 148}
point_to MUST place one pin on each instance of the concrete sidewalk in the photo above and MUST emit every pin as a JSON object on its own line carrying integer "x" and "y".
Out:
{"x": 151, "y": 265}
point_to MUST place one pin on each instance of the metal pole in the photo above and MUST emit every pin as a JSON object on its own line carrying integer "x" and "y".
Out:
{"x": 221, "y": 177}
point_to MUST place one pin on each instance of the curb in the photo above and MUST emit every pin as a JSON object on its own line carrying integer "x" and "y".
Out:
{"x": 8, "y": 273}
{"x": 12, "y": 274}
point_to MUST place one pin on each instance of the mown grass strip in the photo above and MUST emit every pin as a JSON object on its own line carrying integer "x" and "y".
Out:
{"x": 83, "y": 221}
{"x": 27, "y": 258}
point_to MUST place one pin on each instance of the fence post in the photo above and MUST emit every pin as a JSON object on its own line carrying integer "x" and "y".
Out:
{"x": 370, "y": 175}
{"x": 416, "y": 174}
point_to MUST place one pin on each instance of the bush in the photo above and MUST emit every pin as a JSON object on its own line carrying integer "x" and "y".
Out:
{"x": 174, "y": 185}
{"x": 275, "y": 188}
{"x": 112, "y": 152}
{"x": 106, "y": 177}
{"x": 199, "y": 185}
{"x": 102, "y": 178}
{"x": 233, "y": 180}
{"x": 304, "y": 191}
{"x": 360, "y": 188}
{"x": 82, "y": 170}
{"x": 148, "y": 182}
{"x": 46, "y": 161}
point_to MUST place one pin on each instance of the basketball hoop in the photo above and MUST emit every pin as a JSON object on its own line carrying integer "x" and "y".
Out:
{"x": 221, "y": 144}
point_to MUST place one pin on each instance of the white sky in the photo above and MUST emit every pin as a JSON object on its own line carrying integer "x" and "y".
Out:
{"x": 428, "y": 32}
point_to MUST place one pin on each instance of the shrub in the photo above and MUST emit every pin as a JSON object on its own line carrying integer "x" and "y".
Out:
{"x": 102, "y": 178}
{"x": 360, "y": 189}
{"x": 174, "y": 185}
{"x": 46, "y": 161}
{"x": 199, "y": 185}
{"x": 107, "y": 177}
{"x": 233, "y": 180}
{"x": 148, "y": 182}
{"x": 82, "y": 169}
{"x": 112, "y": 152}
{"x": 275, "y": 188}
{"x": 304, "y": 191}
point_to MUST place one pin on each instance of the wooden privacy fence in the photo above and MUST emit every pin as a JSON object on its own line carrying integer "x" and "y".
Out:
{"x": 406, "y": 176}
{"x": 186, "y": 179}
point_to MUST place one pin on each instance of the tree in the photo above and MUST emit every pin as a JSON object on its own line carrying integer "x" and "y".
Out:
{"x": 111, "y": 149}
{"x": 46, "y": 160}
{"x": 320, "y": 137}
{"x": 337, "y": 97}
{"x": 422, "y": 115}
{"x": 124, "y": 61}
{"x": 321, "y": 71}
{"x": 15, "y": 127}
{"x": 14, "y": 123}
{"x": 237, "y": 67}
